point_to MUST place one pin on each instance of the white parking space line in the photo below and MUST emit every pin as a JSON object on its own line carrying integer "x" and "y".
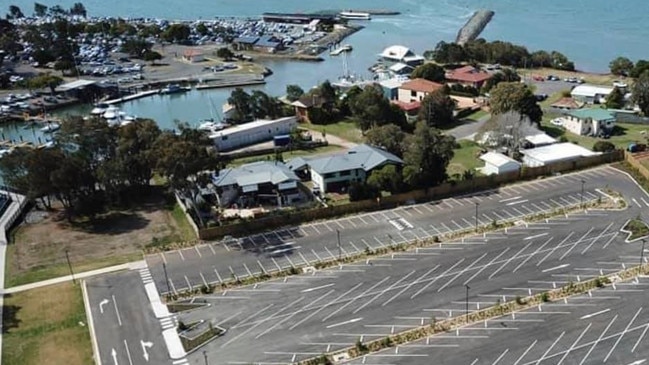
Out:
{"x": 572, "y": 347}
{"x": 576, "y": 243}
{"x": 532, "y": 255}
{"x": 383, "y": 292}
{"x": 180, "y": 252}
{"x": 626, "y": 329}
{"x": 545, "y": 354}
{"x": 510, "y": 199}
{"x": 445, "y": 227}
{"x": 437, "y": 278}
{"x": 485, "y": 266}
{"x": 510, "y": 260}
{"x": 640, "y": 338}
{"x": 416, "y": 281}
{"x": 462, "y": 272}
{"x": 500, "y": 357}
{"x": 198, "y": 251}
{"x": 554, "y": 249}
{"x": 361, "y": 295}
{"x": 458, "y": 226}
{"x": 325, "y": 306}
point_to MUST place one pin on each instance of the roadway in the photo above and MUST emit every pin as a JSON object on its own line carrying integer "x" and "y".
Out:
{"x": 306, "y": 244}
{"x": 287, "y": 320}
{"x": 126, "y": 328}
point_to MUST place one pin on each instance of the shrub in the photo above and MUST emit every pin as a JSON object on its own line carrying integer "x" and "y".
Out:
{"x": 603, "y": 146}
{"x": 545, "y": 297}
{"x": 520, "y": 300}
{"x": 361, "y": 347}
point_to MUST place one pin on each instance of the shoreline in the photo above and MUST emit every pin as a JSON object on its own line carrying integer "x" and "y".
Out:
{"x": 474, "y": 26}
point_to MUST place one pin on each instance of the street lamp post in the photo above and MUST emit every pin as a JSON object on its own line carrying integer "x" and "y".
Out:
{"x": 476, "y": 215}
{"x": 164, "y": 267}
{"x": 466, "y": 312}
{"x": 205, "y": 356}
{"x": 642, "y": 253}
{"x": 340, "y": 254}
{"x": 67, "y": 257}
{"x": 581, "y": 197}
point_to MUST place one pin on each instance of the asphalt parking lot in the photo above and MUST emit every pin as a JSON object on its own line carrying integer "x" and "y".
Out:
{"x": 605, "y": 326}
{"x": 284, "y": 321}
{"x": 304, "y": 245}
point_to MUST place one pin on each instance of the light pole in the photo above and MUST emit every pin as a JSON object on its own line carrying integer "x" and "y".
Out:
{"x": 205, "y": 356}
{"x": 340, "y": 255}
{"x": 476, "y": 215}
{"x": 466, "y": 313}
{"x": 67, "y": 257}
{"x": 642, "y": 253}
{"x": 581, "y": 197}
{"x": 164, "y": 267}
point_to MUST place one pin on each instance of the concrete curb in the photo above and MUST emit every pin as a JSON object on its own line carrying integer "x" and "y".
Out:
{"x": 91, "y": 325}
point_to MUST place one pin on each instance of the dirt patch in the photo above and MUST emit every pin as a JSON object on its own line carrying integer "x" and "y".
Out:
{"x": 117, "y": 233}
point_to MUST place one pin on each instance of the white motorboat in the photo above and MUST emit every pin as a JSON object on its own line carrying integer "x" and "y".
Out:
{"x": 344, "y": 48}
{"x": 51, "y": 128}
{"x": 99, "y": 109}
{"x": 211, "y": 126}
{"x": 111, "y": 112}
{"x": 355, "y": 15}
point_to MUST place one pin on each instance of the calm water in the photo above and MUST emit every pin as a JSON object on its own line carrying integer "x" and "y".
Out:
{"x": 590, "y": 32}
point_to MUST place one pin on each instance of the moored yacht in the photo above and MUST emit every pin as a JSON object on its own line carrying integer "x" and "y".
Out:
{"x": 99, "y": 109}
{"x": 355, "y": 15}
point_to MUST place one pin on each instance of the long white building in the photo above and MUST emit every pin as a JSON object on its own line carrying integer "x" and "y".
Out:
{"x": 247, "y": 134}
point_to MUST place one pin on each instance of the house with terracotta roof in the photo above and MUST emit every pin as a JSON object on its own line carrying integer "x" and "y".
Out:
{"x": 468, "y": 76}
{"x": 193, "y": 55}
{"x": 416, "y": 90}
{"x": 567, "y": 103}
{"x": 306, "y": 104}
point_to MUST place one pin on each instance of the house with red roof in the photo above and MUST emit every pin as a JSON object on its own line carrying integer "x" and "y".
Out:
{"x": 468, "y": 76}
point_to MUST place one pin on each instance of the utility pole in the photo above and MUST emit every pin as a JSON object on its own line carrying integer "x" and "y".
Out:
{"x": 476, "y": 216}
{"x": 164, "y": 267}
{"x": 340, "y": 254}
{"x": 466, "y": 313}
{"x": 581, "y": 198}
{"x": 67, "y": 256}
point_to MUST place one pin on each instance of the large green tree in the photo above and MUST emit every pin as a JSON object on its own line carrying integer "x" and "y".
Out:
{"x": 505, "y": 75}
{"x": 621, "y": 66}
{"x": 293, "y": 92}
{"x": 430, "y": 72}
{"x": 427, "y": 154}
{"x": 389, "y": 137}
{"x": 449, "y": 53}
{"x": 514, "y": 96}
{"x": 615, "y": 100}
{"x": 224, "y": 53}
{"x": 264, "y": 106}
{"x": 639, "y": 68}
{"x": 176, "y": 33}
{"x": 437, "y": 109}
{"x": 370, "y": 108}
{"x": 242, "y": 103}
{"x": 640, "y": 92}
{"x": 387, "y": 178}
{"x": 40, "y": 10}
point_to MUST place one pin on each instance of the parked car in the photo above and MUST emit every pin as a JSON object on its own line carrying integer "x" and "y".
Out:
{"x": 557, "y": 122}
{"x": 552, "y": 78}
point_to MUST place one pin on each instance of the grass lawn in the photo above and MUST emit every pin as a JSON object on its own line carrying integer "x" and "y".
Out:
{"x": 287, "y": 155}
{"x": 637, "y": 228}
{"x": 464, "y": 158}
{"x": 479, "y": 114}
{"x": 46, "y": 326}
{"x": 345, "y": 129}
{"x": 623, "y": 134}
{"x": 14, "y": 277}
{"x": 185, "y": 231}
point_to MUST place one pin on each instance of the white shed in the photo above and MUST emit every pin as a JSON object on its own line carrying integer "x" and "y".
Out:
{"x": 248, "y": 134}
{"x": 497, "y": 163}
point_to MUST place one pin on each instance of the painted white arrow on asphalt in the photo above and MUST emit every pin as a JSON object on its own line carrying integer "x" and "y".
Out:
{"x": 114, "y": 355}
{"x": 638, "y": 362}
{"x": 144, "y": 346}
{"x": 102, "y": 304}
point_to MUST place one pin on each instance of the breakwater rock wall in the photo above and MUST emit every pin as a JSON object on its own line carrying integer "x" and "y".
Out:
{"x": 476, "y": 24}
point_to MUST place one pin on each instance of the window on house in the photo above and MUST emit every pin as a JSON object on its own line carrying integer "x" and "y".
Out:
{"x": 413, "y": 93}
{"x": 345, "y": 173}
{"x": 329, "y": 175}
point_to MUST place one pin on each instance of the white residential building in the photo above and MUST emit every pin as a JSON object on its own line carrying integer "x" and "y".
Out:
{"x": 589, "y": 122}
{"x": 591, "y": 94}
{"x": 542, "y": 156}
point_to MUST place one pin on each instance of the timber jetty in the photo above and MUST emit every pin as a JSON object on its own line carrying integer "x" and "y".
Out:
{"x": 476, "y": 24}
